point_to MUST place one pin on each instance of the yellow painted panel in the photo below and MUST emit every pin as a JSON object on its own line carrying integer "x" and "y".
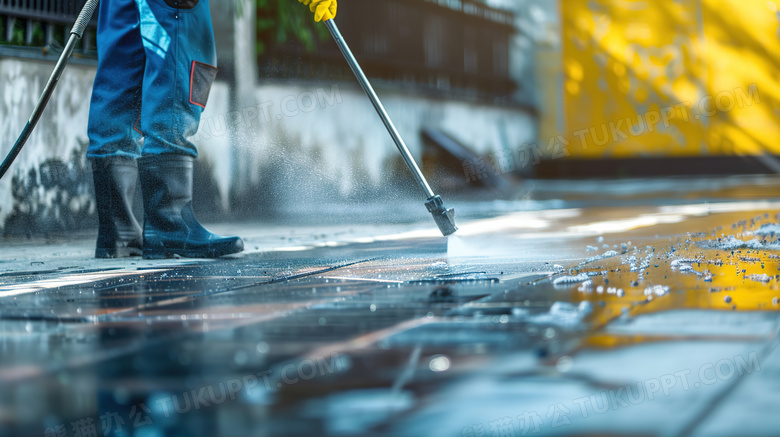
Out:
{"x": 671, "y": 77}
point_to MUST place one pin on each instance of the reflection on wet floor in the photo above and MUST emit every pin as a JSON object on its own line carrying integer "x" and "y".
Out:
{"x": 566, "y": 329}
{"x": 703, "y": 271}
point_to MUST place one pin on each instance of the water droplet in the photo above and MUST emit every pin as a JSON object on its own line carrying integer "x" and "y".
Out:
{"x": 439, "y": 363}
{"x": 564, "y": 364}
{"x": 372, "y": 308}
{"x": 727, "y": 299}
{"x": 262, "y": 347}
{"x": 322, "y": 321}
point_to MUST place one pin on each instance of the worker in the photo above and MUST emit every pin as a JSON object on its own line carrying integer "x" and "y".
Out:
{"x": 156, "y": 64}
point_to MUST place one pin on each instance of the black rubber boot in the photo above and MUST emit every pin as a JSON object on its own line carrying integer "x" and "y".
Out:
{"x": 119, "y": 234}
{"x": 170, "y": 227}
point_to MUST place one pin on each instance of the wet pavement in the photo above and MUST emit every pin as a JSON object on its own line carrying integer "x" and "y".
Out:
{"x": 620, "y": 308}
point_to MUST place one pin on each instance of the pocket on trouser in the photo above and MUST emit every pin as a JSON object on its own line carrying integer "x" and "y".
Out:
{"x": 201, "y": 78}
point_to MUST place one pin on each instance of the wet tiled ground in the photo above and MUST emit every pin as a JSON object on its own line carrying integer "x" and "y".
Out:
{"x": 584, "y": 316}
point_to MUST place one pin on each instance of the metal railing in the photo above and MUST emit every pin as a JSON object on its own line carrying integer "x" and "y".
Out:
{"x": 439, "y": 46}
{"x": 443, "y": 46}
{"x": 480, "y": 10}
{"x": 40, "y": 22}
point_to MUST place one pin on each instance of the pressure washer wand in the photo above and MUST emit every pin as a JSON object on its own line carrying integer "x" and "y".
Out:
{"x": 444, "y": 218}
{"x": 75, "y": 35}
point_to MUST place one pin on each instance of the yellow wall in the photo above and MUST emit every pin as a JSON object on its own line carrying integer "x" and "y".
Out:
{"x": 670, "y": 77}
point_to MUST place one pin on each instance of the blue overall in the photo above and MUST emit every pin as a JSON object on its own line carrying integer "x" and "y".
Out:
{"x": 156, "y": 64}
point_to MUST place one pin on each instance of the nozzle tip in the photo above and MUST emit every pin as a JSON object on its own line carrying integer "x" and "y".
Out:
{"x": 444, "y": 218}
{"x": 446, "y": 222}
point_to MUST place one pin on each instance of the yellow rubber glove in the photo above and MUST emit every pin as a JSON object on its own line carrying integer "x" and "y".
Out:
{"x": 323, "y": 9}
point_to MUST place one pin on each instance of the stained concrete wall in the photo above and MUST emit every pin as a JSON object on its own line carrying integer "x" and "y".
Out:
{"x": 48, "y": 188}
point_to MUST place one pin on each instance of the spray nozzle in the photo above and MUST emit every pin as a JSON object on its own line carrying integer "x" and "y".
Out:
{"x": 444, "y": 218}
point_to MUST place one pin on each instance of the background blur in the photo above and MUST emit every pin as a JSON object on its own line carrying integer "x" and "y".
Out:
{"x": 487, "y": 94}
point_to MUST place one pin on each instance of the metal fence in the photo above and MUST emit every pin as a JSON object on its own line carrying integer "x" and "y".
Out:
{"x": 443, "y": 46}
{"x": 40, "y": 22}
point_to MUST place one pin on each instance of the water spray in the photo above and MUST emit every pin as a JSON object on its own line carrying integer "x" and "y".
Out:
{"x": 444, "y": 218}
{"x": 75, "y": 35}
